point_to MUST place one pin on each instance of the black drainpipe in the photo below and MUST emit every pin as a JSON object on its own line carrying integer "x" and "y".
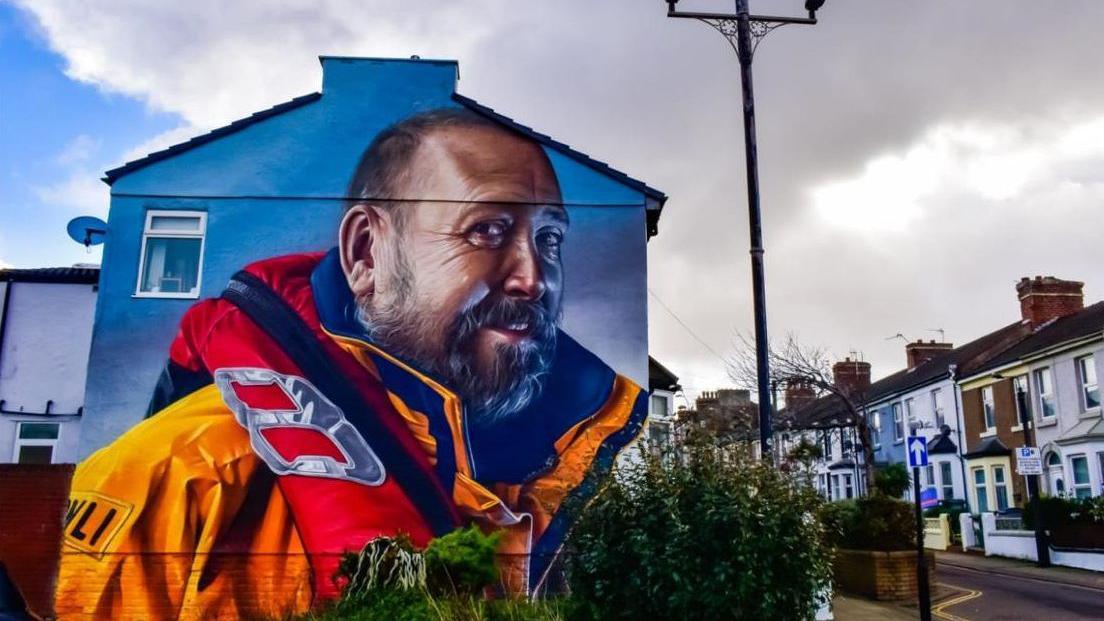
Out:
{"x": 959, "y": 422}
{"x": 4, "y": 315}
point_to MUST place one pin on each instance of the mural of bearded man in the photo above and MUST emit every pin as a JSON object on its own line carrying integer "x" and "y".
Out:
{"x": 411, "y": 380}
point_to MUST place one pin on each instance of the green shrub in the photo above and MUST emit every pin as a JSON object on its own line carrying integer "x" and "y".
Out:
{"x": 871, "y": 523}
{"x": 462, "y": 561}
{"x": 893, "y": 480}
{"x": 707, "y": 536}
{"x": 1058, "y": 511}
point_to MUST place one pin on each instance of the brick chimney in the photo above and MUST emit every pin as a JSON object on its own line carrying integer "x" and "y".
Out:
{"x": 852, "y": 377}
{"x": 1046, "y": 298}
{"x": 920, "y": 352}
{"x": 798, "y": 396}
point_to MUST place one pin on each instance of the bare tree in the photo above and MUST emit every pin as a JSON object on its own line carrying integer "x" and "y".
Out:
{"x": 793, "y": 364}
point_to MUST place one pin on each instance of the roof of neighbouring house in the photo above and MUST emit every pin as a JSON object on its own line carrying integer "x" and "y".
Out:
{"x": 1083, "y": 324}
{"x": 84, "y": 275}
{"x": 989, "y": 447}
{"x": 660, "y": 377}
{"x": 826, "y": 412}
{"x": 942, "y": 443}
{"x": 966, "y": 358}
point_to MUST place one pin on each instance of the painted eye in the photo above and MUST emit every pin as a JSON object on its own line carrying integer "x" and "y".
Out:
{"x": 489, "y": 234}
{"x": 549, "y": 242}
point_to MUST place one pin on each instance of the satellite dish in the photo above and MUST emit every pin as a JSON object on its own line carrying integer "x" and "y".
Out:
{"x": 87, "y": 230}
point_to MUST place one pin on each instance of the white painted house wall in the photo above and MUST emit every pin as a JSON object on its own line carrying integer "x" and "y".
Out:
{"x": 44, "y": 357}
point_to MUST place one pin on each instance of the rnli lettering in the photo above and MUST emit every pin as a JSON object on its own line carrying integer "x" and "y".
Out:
{"x": 93, "y": 520}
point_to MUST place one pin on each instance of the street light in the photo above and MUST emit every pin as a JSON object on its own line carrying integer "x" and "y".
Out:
{"x": 743, "y": 32}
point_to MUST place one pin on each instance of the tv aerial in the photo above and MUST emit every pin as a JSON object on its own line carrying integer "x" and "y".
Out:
{"x": 87, "y": 230}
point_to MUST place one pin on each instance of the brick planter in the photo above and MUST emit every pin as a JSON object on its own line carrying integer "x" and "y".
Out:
{"x": 879, "y": 575}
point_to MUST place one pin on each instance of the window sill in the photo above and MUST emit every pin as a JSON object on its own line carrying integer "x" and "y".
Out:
{"x": 1017, "y": 428}
{"x": 1047, "y": 422}
{"x": 1091, "y": 413}
{"x": 897, "y": 442}
{"x": 988, "y": 433}
{"x": 165, "y": 296}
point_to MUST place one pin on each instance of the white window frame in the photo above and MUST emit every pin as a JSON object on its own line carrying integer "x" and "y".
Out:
{"x": 848, "y": 487}
{"x": 1074, "y": 486}
{"x": 1023, "y": 380}
{"x": 1085, "y": 384}
{"x": 937, "y": 407}
{"x": 1000, "y": 484}
{"x": 898, "y": 424}
{"x": 876, "y": 428}
{"x": 1042, "y": 397}
{"x": 946, "y": 480}
{"x": 981, "y": 489}
{"x": 147, "y": 233}
{"x": 988, "y": 409}
{"x": 21, "y": 442}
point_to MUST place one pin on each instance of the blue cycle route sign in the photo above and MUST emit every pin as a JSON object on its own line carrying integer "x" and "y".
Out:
{"x": 917, "y": 449}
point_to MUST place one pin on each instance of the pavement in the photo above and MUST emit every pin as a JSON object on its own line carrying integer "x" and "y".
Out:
{"x": 970, "y": 587}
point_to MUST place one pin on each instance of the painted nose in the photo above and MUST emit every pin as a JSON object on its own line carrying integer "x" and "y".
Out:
{"x": 526, "y": 279}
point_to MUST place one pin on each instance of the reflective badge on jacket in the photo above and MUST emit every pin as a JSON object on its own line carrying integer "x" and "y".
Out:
{"x": 93, "y": 520}
{"x": 295, "y": 429}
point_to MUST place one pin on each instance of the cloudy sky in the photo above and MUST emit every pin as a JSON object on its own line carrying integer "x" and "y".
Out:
{"x": 916, "y": 158}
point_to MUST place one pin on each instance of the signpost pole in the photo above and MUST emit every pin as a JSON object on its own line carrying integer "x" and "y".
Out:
{"x": 918, "y": 457}
{"x": 1042, "y": 546}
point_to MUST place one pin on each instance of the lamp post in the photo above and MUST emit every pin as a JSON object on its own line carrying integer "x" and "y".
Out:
{"x": 743, "y": 32}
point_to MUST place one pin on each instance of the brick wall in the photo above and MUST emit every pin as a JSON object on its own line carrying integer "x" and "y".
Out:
{"x": 33, "y": 500}
{"x": 879, "y": 575}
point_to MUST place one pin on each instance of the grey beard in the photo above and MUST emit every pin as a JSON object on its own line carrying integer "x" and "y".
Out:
{"x": 507, "y": 388}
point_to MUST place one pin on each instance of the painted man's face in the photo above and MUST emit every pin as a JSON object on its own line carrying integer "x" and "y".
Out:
{"x": 469, "y": 283}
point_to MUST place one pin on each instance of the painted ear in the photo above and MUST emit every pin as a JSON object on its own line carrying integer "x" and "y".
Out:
{"x": 357, "y": 236}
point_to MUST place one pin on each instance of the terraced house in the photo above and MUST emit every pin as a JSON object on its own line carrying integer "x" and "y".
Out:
{"x": 1053, "y": 376}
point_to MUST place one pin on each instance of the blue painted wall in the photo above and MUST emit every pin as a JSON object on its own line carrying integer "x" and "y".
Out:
{"x": 270, "y": 188}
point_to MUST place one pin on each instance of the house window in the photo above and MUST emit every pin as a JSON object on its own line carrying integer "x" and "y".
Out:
{"x": 1086, "y": 378}
{"x": 1000, "y": 486}
{"x": 835, "y": 487}
{"x": 910, "y": 411}
{"x": 172, "y": 254}
{"x": 1019, "y": 384}
{"x": 826, "y": 444}
{"x": 982, "y": 492}
{"x": 848, "y": 490}
{"x": 658, "y": 406}
{"x": 929, "y": 475}
{"x": 987, "y": 411}
{"x": 35, "y": 443}
{"x": 898, "y": 423}
{"x": 1082, "y": 486}
{"x": 937, "y": 407}
{"x": 659, "y": 438}
{"x": 876, "y": 431}
{"x": 1044, "y": 386}
{"x": 946, "y": 480}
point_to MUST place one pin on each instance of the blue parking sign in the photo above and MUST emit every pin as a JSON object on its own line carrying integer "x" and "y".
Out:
{"x": 917, "y": 449}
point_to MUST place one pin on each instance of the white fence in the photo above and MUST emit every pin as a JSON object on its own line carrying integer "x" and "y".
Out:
{"x": 937, "y": 532}
{"x": 1021, "y": 544}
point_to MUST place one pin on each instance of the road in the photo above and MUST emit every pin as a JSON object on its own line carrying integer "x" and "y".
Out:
{"x": 980, "y": 596}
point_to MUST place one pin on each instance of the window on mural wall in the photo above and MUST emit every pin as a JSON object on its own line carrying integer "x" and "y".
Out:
{"x": 35, "y": 443}
{"x": 1044, "y": 387}
{"x": 1086, "y": 379}
{"x": 172, "y": 254}
{"x": 989, "y": 414}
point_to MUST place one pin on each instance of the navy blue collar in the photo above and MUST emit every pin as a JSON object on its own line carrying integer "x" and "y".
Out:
{"x": 513, "y": 451}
